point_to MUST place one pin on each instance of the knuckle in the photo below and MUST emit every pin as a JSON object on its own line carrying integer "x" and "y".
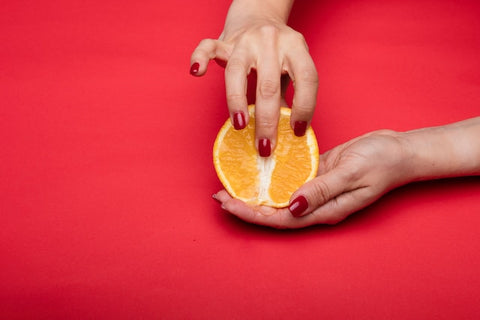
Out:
{"x": 235, "y": 100}
{"x": 353, "y": 175}
{"x": 266, "y": 124}
{"x": 268, "y": 31}
{"x": 205, "y": 43}
{"x": 234, "y": 65}
{"x": 321, "y": 192}
{"x": 303, "y": 111}
{"x": 308, "y": 76}
{"x": 268, "y": 88}
{"x": 298, "y": 37}
{"x": 205, "y": 46}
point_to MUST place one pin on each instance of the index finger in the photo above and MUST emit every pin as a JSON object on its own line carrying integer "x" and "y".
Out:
{"x": 236, "y": 73}
{"x": 262, "y": 215}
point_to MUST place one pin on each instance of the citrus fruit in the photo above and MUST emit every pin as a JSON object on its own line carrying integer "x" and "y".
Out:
{"x": 266, "y": 181}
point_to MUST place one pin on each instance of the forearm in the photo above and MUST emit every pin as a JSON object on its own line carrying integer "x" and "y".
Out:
{"x": 447, "y": 151}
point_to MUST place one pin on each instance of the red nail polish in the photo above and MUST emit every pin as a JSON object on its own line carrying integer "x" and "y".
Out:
{"x": 299, "y": 128}
{"x": 194, "y": 68}
{"x": 239, "y": 120}
{"x": 264, "y": 148}
{"x": 298, "y": 206}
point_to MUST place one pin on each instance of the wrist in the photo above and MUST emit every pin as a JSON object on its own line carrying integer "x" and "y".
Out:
{"x": 244, "y": 14}
{"x": 441, "y": 152}
{"x": 277, "y": 10}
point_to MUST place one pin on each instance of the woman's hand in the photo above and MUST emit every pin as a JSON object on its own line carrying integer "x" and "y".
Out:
{"x": 351, "y": 176}
{"x": 355, "y": 174}
{"x": 256, "y": 37}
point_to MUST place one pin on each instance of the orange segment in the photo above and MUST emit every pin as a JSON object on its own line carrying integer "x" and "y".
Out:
{"x": 264, "y": 181}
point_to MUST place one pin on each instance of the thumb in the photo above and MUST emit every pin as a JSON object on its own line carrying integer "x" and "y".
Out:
{"x": 207, "y": 50}
{"x": 317, "y": 192}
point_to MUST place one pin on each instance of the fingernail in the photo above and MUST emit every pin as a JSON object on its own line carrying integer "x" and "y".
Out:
{"x": 264, "y": 148}
{"x": 298, "y": 206}
{"x": 239, "y": 120}
{"x": 299, "y": 128}
{"x": 194, "y": 68}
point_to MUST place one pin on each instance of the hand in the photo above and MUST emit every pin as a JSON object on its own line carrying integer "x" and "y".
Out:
{"x": 355, "y": 174}
{"x": 256, "y": 37}
{"x": 351, "y": 176}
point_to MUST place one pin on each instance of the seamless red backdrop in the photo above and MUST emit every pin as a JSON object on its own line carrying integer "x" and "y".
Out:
{"x": 106, "y": 173}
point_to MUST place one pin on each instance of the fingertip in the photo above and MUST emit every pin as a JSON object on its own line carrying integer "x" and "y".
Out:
{"x": 194, "y": 68}
{"x": 300, "y": 128}
{"x": 264, "y": 147}
{"x": 222, "y": 196}
{"x": 239, "y": 120}
{"x": 300, "y": 119}
{"x": 203, "y": 53}
{"x": 266, "y": 126}
{"x": 298, "y": 206}
{"x": 234, "y": 206}
{"x": 305, "y": 77}
{"x": 214, "y": 197}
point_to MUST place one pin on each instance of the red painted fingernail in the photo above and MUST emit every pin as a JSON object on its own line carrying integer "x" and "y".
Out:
{"x": 299, "y": 128}
{"x": 194, "y": 68}
{"x": 239, "y": 120}
{"x": 298, "y": 206}
{"x": 264, "y": 148}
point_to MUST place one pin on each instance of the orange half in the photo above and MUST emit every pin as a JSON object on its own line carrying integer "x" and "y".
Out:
{"x": 264, "y": 181}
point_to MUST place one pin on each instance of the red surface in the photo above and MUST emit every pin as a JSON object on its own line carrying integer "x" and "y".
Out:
{"x": 106, "y": 174}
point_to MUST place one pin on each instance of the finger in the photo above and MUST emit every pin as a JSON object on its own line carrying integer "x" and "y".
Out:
{"x": 262, "y": 215}
{"x": 340, "y": 207}
{"x": 319, "y": 191}
{"x": 228, "y": 202}
{"x": 236, "y": 72}
{"x": 222, "y": 196}
{"x": 242, "y": 210}
{"x": 207, "y": 50}
{"x": 268, "y": 99}
{"x": 267, "y": 216}
{"x": 305, "y": 81}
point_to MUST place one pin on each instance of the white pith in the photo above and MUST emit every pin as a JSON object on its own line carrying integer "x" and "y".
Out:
{"x": 265, "y": 169}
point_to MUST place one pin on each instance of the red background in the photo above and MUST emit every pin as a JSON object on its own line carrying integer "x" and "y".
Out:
{"x": 106, "y": 172}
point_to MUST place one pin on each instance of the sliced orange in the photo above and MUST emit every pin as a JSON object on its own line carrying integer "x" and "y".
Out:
{"x": 264, "y": 181}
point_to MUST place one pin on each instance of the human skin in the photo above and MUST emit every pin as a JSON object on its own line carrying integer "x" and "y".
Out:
{"x": 353, "y": 175}
{"x": 256, "y": 37}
